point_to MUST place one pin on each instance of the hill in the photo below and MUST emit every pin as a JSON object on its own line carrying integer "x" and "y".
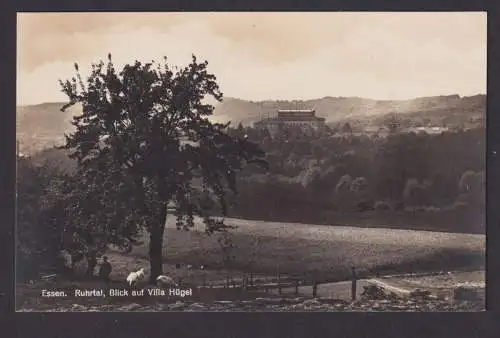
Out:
{"x": 451, "y": 110}
{"x": 43, "y": 125}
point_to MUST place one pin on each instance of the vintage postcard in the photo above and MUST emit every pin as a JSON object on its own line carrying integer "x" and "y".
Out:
{"x": 251, "y": 161}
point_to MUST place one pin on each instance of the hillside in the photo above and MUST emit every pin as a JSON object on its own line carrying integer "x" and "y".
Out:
{"x": 41, "y": 126}
{"x": 451, "y": 109}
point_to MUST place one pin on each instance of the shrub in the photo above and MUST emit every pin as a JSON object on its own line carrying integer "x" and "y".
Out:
{"x": 456, "y": 206}
{"x": 359, "y": 184}
{"x": 416, "y": 208}
{"x": 343, "y": 185}
{"x": 432, "y": 208}
{"x": 365, "y": 205}
{"x": 415, "y": 193}
{"x": 410, "y": 209}
{"x": 343, "y": 193}
{"x": 382, "y": 206}
{"x": 399, "y": 206}
{"x": 470, "y": 182}
{"x": 38, "y": 232}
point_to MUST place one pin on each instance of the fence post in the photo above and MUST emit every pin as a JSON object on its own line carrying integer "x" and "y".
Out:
{"x": 353, "y": 285}
{"x": 227, "y": 281}
{"x": 244, "y": 282}
{"x": 279, "y": 283}
{"x": 296, "y": 287}
{"x": 315, "y": 289}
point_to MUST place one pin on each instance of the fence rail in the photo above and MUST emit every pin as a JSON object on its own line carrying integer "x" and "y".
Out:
{"x": 281, "y": 283}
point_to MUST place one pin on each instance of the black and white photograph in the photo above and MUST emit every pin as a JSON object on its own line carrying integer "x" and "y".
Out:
{"x": 250, "y": 161}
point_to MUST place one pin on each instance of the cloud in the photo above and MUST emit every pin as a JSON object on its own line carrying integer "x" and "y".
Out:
{"x": 267, "y": 55}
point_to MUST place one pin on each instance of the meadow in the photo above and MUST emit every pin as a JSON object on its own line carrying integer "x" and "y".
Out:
{"x": 322, "y": 253}
{"x": 309, "y": 252}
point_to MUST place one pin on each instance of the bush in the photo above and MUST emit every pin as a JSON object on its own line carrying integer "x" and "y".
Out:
{"x": 382, "y": 206}
{"x": 38, "y": 234}
{"x": 344, "y": 184}
{"x": 363, "y": 206}
{"x": 416, "y": 208}
{"x": 410, "y": 209}
{"x": 416, "y": 193}
{"x": 471, "y": 182}
{"x": 422, "y": 208}
{"x": 457, "y": 206}
{"x": 399, "y": 206}
{"x": 343, "y": 194}
{"x": 359, "y": 185}
{"x": 432, "y": 209}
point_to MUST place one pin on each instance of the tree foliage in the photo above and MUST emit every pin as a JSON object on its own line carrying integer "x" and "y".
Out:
{"x": 415, "y": 193}
{"x": 145, "y": 130}
{"x": 436, "y": 161}
{"x": 38, "y": 238}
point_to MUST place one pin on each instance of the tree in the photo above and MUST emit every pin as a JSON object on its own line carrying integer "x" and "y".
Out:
{"x": 360, "y": 189}
{"x": 240, "y": 130}
{"x": 318, "y": 152}
{"x": 38, "y": 241}
{"x": 415, "y": 194}
{"x": 346, "y": 128}
{"x": 471, "y": 182}
{"x": 393, "y": 123}
{"x": 399, "y": 158}
{"x": 227, "y": 246}
{"x": 87, "y": 232}
{"x": 150, "y": 125}
{"x": 471, "y": 188}
{"x": 343, "y": 192}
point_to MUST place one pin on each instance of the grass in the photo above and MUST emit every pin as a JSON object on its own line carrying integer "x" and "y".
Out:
{"x": 325, "y": 253}
{"x": 453, "y": 221}
{"x": 322, "y": 253}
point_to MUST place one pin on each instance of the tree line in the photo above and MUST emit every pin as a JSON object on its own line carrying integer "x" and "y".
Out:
{"x": 328, "y": 175}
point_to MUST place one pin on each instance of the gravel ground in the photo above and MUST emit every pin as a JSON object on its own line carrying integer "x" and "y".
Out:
{"x": 331, "y": 297}
{"x": 447, "y": 280}
{"x": 284, "y": 305}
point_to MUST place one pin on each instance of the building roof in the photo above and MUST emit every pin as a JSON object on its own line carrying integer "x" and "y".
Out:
{"x": 291, "y": 119}
{"x": 293, "y": 115}
{"x": 296, "y": 110}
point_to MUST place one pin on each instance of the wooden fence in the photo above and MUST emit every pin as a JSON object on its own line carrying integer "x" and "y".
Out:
{"x": 281, "y": 284}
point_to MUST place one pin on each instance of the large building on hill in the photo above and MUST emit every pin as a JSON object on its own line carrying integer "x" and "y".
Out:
{"x": 305, "y": 119}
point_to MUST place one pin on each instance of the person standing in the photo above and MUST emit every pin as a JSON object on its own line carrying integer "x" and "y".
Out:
{"x": 105, "y": 270}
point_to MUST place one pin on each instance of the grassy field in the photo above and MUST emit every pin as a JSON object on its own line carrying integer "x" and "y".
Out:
{"x": 325, "y": 253}
{"x": 448, "y": 220}
{"x": 322, "y": 253}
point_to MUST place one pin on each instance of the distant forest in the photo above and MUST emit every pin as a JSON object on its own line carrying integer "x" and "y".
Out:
{"x": 43, "y": 125}
{"x": 404, "y": 180}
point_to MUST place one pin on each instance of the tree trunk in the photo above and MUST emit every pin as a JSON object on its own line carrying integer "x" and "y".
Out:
{"x": 92, "y": 262}
{"x": 156, "y": 246}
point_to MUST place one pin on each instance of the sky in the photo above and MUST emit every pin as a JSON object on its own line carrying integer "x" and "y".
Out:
{"x": 260, "y": 56}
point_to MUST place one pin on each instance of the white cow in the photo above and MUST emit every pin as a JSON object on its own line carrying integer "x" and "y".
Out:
{"x": 164, "y": 280}
{"x": 134, "y": 277}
